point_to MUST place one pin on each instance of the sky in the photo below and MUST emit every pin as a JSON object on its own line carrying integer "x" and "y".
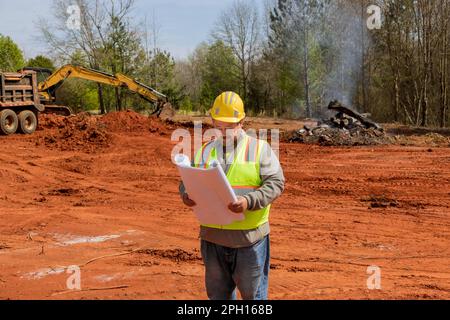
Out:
{"x": 183, "y": 24}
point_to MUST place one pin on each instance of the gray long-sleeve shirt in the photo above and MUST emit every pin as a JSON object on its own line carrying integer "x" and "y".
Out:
{"x": 272, "y": 186}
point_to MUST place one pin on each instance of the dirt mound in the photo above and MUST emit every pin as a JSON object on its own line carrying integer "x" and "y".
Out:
{"x": 405, "y": 130}
{"x": 81, "y": 132}
{"x": 431, "y": 139}
{"x": 91, "y": 133}
{"x": 130, "y": 121}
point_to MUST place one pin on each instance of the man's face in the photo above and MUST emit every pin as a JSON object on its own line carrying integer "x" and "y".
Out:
{"x": 229, "y": 131}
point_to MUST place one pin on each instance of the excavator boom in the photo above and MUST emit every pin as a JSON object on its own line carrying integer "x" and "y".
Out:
{"x": 143, "y": 90}
{"x": 70, "y": 71}
{"x": 48, "y": 87}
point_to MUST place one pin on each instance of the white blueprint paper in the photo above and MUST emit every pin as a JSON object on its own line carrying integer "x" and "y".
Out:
{"x": 210, "y": 190}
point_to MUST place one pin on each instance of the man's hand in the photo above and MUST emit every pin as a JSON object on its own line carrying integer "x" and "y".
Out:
{"x": 187, "y": 201}
{"x": 240, "y": 206}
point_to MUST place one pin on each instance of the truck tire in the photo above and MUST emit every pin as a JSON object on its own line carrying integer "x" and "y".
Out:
{"x": 27, "y": 122}
{"x": 8, "y": 122}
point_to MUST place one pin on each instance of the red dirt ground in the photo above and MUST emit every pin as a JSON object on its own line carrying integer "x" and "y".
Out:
{"x": 343, "y": 209}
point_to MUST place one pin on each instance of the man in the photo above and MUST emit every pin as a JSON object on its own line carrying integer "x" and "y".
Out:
{"x": 237, "y": 255}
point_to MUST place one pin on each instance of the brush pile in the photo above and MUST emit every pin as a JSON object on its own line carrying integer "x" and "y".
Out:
{"x": 346, "y": 128}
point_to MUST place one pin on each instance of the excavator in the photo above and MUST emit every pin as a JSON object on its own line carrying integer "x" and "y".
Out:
{"x": 22, "y": 97}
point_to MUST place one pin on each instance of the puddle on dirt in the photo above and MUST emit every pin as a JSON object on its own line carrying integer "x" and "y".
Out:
{"x": 70, "y": 239}
{"x": 116, "y": 276}
{"x": 41, "y": 273}
{"x": 67, "y": 240}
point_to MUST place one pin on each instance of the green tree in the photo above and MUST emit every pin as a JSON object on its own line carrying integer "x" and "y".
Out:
{"x": 41, "y": 61}
{"x": 159, "y": 72}
{"x": 92, "y": 38}
{"x": 239, "y": 28}
{"x": 79, "y": 94}
{"x": 123, "y": 53}
{"x": 297, "y": 30}
{"x": 11, "y": 57}
{"x": 220, "y": 72}
{"x": 208, "y": 71}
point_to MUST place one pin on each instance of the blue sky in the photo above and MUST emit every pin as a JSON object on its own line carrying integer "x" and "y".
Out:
{"x": 183, "y": 23}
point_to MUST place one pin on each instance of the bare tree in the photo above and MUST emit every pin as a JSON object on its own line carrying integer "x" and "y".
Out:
{"x": 92, "y": 36}
{"x": 239, "y": 28}
{"x": 444, "y": 53}
{"x": 151, "y": 44}
{"x": 189, "y": 73}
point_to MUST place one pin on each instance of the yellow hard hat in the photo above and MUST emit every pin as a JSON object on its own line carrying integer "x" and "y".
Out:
{"x": 228, "y": 107}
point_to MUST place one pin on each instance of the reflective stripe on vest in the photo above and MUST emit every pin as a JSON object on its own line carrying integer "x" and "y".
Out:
{"x": 243, "y": 175}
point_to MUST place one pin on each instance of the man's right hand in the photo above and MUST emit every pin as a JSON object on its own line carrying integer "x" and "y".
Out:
{"x": 187, "y": 201}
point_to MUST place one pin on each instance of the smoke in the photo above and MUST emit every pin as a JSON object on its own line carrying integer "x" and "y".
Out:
{"x": 345, "y": 39}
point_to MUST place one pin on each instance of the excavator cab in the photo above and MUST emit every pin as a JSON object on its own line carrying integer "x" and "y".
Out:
{"x": 41, "y": 73}
{"x": 48, "y": 100}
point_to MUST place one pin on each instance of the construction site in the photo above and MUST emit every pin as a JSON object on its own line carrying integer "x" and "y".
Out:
{"x": 94, "y": 191}
{"x": 89, "y": 187}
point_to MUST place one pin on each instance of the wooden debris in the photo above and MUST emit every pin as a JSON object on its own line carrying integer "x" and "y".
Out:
{"x": 336, "y": 105}
{"x": 346, "y": 128}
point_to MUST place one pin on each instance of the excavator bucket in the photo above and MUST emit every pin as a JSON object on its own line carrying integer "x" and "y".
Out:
{"x": 164, "y": 110}
{"x": 59, "y": 110}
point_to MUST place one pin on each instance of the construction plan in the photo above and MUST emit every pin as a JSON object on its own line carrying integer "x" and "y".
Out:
{"x": 210, "y": 190}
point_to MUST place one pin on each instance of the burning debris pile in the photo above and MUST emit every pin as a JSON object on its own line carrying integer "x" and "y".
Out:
{"x": 346, "y": 128}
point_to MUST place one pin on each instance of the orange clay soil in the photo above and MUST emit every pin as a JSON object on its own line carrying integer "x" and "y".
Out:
{"x": 75, "y": 191}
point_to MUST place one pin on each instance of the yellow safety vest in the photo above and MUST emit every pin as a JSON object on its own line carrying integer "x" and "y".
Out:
{"x": 243, "y": 175}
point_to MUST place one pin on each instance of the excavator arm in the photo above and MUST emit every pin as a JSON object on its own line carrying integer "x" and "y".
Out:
{"x": 48, "y": 87}
{"x": 143, "y": 90}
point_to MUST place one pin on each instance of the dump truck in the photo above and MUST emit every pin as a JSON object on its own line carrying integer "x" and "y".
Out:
{"x": 23, "y": 97}
{"x": 20, "y": 102}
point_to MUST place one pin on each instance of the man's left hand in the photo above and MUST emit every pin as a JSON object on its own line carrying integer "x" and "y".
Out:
{"x": 240, "y": 206}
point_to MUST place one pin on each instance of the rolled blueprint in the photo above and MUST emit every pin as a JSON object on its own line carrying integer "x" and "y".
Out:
{"x": 182, "y": 160}
{"x": 211, "y": 191}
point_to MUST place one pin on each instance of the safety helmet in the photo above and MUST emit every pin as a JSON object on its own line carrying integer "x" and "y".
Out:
{"x": 228, "y": 107}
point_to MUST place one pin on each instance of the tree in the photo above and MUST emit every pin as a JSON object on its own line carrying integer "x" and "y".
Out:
{"x": 444, "y": 71}
{"x": 79, "y": 94}
{"x": 123, "y": 50}
{"x": 159, "y": 71}
{"x": 239, "y": 28}
{"x": 91, "y": 38}
{"x": 414, "y": 64}
{"x": 41, "y": 61}
{"x": 218, "y": 72}
{"x": 210, "y": 70}
{"x": 298, "y": 36}
{"x": 188, "y": 75}
{"x": 11, "y": 57}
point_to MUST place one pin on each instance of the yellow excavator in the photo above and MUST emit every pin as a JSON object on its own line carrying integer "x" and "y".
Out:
{"x": 22, "y": 97}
